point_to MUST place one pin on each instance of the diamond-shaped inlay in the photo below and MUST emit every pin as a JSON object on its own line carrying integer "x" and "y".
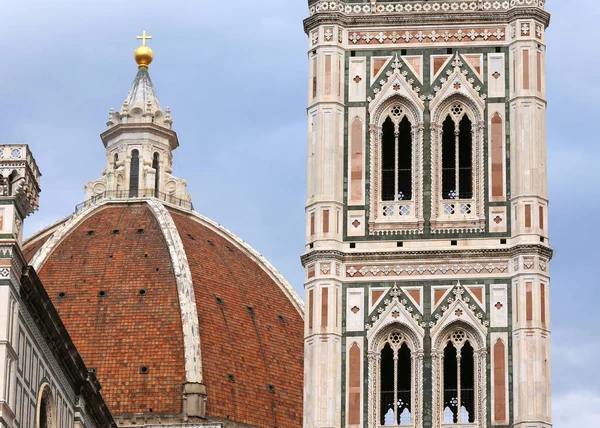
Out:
{"x": 499, "y": 305}
{"x": 357, "y": 79}
{"x": 498, "y": 219}
{"x": 355, "y": 310}
{"x": 496, "y": 75}
{"x": 356, "y": 223}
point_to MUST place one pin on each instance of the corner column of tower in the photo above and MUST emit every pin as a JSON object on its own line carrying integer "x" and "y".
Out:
{"x": 529, "y": 222}
{"x": 324, "y": 228}
{"x": 19, "y": 196}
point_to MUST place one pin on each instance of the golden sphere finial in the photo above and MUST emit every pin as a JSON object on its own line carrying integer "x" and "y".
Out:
{"x": 143, "y": 55}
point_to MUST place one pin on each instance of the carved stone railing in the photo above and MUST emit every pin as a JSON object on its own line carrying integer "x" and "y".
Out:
{"x": 458, "y": 208}
{"x": 141, "y": 193}
{"x": 396, "y": 210}
{"x": 443, "y": 6}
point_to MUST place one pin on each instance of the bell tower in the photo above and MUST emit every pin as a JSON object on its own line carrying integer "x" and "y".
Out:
{"x": 139, "y": 144}
{"x": 427, "y": 248}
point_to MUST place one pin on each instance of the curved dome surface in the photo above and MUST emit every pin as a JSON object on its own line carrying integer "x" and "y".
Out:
{"x": 155, "y": 297}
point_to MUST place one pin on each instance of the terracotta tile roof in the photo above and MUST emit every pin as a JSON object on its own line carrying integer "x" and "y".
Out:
{"x": 122, "y": 331}
{"x": 251, "y": 333}
{"x": 244, "y": 335}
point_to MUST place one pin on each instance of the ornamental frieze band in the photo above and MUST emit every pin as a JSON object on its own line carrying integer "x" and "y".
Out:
{"x": 422, "y": 6}
{"x": 434, "y": 36}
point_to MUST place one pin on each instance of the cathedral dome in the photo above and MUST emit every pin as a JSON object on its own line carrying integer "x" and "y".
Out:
{"x": 164, "y": 303}
{"x": 181, "y": 319}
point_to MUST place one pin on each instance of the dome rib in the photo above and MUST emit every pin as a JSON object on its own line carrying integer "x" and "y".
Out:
{"x": 279, "y": 279}
{"x": 185, "y": 290}
{"x": 183, "y": 277}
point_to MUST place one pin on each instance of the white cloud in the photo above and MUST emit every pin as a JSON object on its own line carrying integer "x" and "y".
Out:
{"x": 576, "y": 409}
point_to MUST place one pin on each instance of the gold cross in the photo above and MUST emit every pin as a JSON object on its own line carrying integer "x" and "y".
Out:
{"x": 144, "y": 37}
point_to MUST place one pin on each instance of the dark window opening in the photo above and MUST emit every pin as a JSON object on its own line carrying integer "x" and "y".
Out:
{"x": 396, "y": 160}
{"x": 405, "y": 160}
{"x": 459, "y": 385}
{"x": 116, "y": 159}
{"x": 395, "y": 385}
{"x": 448, "y": 160}
{"x": 134, "y": 174}
{"x": 465, "y": 160}
{"x": 388, "y": 165}
{"x": 457, "y": 155}
{"x": 44, "y": 412}
{"x": 155, "y": 165}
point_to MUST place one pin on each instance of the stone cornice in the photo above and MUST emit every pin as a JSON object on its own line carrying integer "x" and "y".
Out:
{"x": 140, "y": 127}
{"x": 418, "y": 19}
{"x": 42, "y": 311}
{"x": 439, "y": 255}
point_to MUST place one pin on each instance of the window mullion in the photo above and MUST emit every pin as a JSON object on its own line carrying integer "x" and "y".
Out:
{"x": 396, "y": 387}
{"x": 456, "y": 158}
{"x": 396, "y": 166}
{"x": 458, "y": 387}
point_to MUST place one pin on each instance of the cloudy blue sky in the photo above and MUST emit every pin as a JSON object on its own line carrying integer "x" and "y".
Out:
{"x": 234, "y": 74}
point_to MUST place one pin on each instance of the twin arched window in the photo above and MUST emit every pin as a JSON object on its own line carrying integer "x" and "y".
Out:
{"x": 396, "y": 168}
{"x": 396, "y": 373}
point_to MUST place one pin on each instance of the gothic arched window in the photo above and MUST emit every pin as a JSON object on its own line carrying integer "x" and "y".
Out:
{"x": 459, "y": 372}
{"x": 396, "y": 378}
{"x": 457, "y": 165}
{"x": 459, "y": 381}
{"x": 396, "y": 370}
{"x": 396, "y": 156}
{"x": 134, "y": 174}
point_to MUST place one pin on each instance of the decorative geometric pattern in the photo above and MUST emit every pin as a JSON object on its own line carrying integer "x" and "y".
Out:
{"x": 398, "y": 296}
{"x": 420, "y": 6}
{"x": 426, "y": 270}
{"x": 494, "y": 34}
{"x": 458, "y": 293}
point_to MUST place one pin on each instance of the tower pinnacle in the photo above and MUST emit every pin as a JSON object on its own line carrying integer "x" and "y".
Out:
{"x": 139, "y": 144}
